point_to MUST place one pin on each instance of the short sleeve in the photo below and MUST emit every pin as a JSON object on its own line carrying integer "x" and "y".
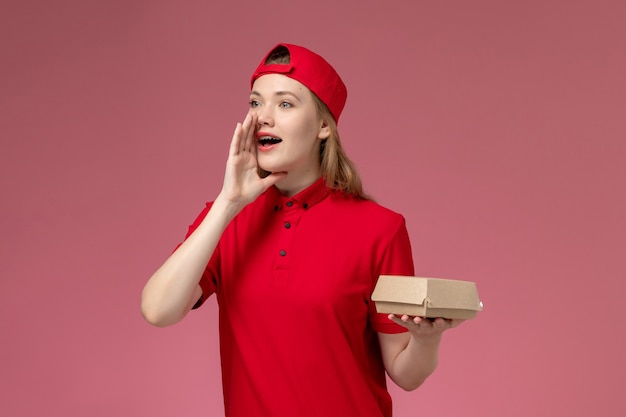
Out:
{"x": 397, "y": 259}
{"x": 208, "y": 281}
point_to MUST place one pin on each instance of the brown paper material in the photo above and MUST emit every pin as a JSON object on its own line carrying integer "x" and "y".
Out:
{"x": 426, "y": 297}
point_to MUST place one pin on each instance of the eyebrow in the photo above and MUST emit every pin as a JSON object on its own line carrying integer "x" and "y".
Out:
{"x": 277, "y": 93}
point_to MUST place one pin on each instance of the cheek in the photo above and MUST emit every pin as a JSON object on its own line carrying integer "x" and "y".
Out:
{"x": 310, "y": 129}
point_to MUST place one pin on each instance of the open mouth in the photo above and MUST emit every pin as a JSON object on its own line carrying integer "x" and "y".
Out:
{"x": 268, "y": 140}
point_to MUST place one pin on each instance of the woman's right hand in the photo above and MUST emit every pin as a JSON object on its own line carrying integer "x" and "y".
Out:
{"x": 173, "y": 289}
{"x": 242, "y": 183}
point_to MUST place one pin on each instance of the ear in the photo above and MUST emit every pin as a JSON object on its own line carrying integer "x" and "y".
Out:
{"x": 324, "y": 132}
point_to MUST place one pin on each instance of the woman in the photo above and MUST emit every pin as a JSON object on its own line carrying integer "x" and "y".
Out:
{"x": 292, "y": 248}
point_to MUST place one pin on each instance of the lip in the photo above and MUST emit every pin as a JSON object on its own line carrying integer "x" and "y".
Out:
{"x": 266, "y": 147}
{"x": 262, "y": 134}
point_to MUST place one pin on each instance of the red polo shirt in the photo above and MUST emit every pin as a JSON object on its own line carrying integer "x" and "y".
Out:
{"x": 293, "y": 279}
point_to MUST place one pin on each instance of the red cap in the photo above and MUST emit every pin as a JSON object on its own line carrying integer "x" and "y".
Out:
{"x": 312, "y": 71}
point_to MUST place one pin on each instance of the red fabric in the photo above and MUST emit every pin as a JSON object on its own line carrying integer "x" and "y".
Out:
{"x": 298, "y": 330}
{"x": 311, "y": 70}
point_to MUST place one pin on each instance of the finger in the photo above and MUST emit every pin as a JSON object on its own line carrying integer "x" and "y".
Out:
{"x": 397, "y": 320}
{"x": 423, "y": 325}
{"x": 245, "y": 130}
{"x": 456, "y": 322}
{"x": 273, "y": 178}
{"x": 406, "y": 321}
{"x": 234, "y": 143}
{"x": 450, "y": 323}
{"x": 250, "y": 145}
{"x": 440, "y": 323}
{"x": 444, "y": 324}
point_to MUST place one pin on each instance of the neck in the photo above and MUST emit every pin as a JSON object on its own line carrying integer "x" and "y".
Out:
{"x": 292, "y": 186}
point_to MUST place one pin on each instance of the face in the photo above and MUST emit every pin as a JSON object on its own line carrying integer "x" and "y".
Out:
{"x": 289, "y": 129}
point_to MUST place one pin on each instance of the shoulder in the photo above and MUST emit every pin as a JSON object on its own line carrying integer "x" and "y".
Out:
{"x": 365, "y": 212}
{"x": 362, "y": 206}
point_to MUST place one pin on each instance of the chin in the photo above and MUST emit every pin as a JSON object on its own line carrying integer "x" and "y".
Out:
{"x": 271, "y": 167}
{"x": 267, "y": 168}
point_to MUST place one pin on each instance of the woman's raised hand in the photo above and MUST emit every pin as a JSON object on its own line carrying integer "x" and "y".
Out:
{"x": 242, "y": 183}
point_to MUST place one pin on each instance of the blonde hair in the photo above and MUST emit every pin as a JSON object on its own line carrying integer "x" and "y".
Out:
{"x": 337, "y": 169}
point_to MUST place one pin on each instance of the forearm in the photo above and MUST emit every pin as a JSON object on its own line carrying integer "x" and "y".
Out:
{"x": 415, "y": 362}
{"x": 172, "y": 290}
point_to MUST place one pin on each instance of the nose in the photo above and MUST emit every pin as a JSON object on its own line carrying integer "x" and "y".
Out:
{"x": 264, "y": 116}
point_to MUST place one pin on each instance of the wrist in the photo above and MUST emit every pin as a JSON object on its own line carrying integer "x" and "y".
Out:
{"x": 227, "y": 207}
{"x": 426, "y": 341}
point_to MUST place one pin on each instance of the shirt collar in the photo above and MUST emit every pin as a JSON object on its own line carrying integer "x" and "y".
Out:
{"x": 306, "y": 198}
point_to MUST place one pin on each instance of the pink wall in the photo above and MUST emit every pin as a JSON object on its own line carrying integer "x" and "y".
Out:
{"x": 497, "y": 128}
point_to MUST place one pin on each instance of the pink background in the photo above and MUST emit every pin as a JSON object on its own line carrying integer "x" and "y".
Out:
{"x": 496, "y": 127}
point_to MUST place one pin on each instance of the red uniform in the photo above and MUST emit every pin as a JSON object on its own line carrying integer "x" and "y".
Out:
{"x": 293, "y": 278}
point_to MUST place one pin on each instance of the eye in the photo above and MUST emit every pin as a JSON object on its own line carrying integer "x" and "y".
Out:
{"x": 285, "y": 104}
{"x": 254, "y": 103}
